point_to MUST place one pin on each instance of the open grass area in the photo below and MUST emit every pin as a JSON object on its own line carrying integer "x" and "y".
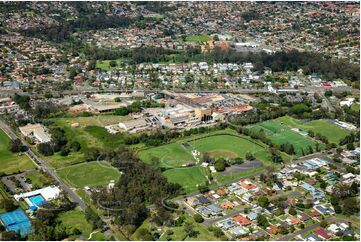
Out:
{"x": 179, "y": 234}
{"x": 96, "y": 120}
{"x": 221, "y": 178}
{"x": 75, "y": 219}
{"x": 89, "y": 174}
{"x": 198, "y": 38}
{"x": 104, "y": 64}
{"x": 187, "y": 177}
{"x": 280, "y": 134}
{"x": 89, "y": 135}
{"x": 355, "y": 107}
{"x": 10, "y": 162}
{"x": 220, "y": 145}
{"x": 39, "y": 179}
{"x": 333, "y": 132}
{"x": 170, "y": 155}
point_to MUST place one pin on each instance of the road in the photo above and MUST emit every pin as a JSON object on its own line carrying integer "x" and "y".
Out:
{"x": 321, "y": 90}
{"x": 71, "y": 194}
{"x": 289, "y": 237}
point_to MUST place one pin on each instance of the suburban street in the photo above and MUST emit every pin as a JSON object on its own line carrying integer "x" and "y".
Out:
{"x": 311, "y": 227}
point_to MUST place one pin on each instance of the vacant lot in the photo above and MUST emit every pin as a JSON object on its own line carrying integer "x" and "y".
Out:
{"x": 88, "y": 174}
{"x": 187, "y": 177}
{"x": 333, "y": 132}
{"x": 281, "y": 134}
{"x": 10, "y": 162}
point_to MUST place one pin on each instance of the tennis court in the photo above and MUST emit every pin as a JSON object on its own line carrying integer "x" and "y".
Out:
{"x": 16, "y": 221}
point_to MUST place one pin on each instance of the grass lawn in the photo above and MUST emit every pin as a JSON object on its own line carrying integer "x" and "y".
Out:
{"x": 10, "y": 162}
{"x": 104, "y": 64}
{"x": 333, "y": 132}
{"x": 75, "y": 219}
{"x": 198, "y": 38}
{"x": 187, "y": 177}
{"x": 228, "y": 178}
{"x": 355, "y": 107}
{"x": 39, "y": 179}
{"x": 170, "y": 155}
{"x": 280, "y": 134}
{"x": 89, "y": 135}
{"x": 179, "y": 234}
{"x": 89, "y": 174}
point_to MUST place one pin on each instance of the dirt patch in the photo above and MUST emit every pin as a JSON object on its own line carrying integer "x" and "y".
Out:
{"x": 222, "y": 152}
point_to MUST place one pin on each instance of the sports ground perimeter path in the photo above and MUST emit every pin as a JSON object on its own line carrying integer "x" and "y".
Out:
{"x": 71, "y": 194}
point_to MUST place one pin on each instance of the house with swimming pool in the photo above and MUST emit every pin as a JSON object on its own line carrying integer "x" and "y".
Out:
{"x": 38, "y": 197}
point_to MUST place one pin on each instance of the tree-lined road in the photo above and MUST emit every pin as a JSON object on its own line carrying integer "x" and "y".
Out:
{"x": 71, "y": 194}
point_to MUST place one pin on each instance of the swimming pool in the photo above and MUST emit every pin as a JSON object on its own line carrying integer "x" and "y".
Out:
{"x": 37, "y": 200}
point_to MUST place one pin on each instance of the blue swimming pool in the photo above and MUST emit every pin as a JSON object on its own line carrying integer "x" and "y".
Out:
{"x": 37, "y": 200}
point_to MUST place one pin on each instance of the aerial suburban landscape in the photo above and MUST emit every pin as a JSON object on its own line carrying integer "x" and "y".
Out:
{"x": 181, "y": 121}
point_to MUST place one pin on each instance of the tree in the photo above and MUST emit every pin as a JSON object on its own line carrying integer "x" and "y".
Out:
{"x": 292, "y": 211}
{"x": 220, "y": 166}
{"x": 203, "y": 188}
{"x": 112, "y": 63}
{"x": 249, "y": 156}
{"x": 75, "y": 146}
{"x": 198, "y": 218}
{"x": 17, "y": 146}
{"x": 45, "y": 149}
{"x": 350, "y": 206}
{"x": 350, "y": 146}
{"x": 9, "y": 205}
{"x": 323, "y": 224}
{"x": 263, "y": 201}
{"x": 328, "y": 93}
{"x": 189, "y": 230}
{"x": 262, "y": 220}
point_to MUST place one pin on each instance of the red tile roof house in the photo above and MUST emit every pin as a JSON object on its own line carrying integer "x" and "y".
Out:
{"x": 314, "y": 214}
{"x": 241, "y": 220}
{"x": 246, "y": 184}
{"x": 293, "y": 220}
{"x": 226, "y": 205}
{"x": 322, "y": 233}
{"x": 221, "y": 191}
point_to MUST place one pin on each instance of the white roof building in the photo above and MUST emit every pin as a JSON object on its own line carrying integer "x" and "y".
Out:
{"x": 37, "y": 131}
{"x": 48, "y": 193}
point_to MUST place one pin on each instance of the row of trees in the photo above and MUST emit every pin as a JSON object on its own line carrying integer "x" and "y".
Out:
{"x": 88, "y": 22}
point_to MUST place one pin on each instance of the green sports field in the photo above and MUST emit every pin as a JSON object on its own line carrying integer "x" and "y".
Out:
{"x": 229, "y": 146}
{"x": 187, "y": 177}
{"x": 281, "y": 134}
{"x": 10, "y": 162}
{"x": 89, "y": 174}
{"x": 222, "y": 145}
{"x": 170, "y": 155}
{"x": 333, "y": 132}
